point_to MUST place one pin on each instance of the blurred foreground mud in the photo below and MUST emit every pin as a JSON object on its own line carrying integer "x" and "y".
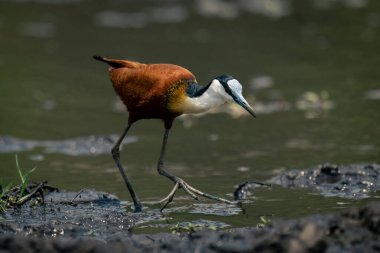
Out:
{"x": 354, "y": 230}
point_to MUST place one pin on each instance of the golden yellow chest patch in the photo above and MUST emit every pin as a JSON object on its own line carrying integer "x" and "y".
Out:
{"x": 176, "y": 98}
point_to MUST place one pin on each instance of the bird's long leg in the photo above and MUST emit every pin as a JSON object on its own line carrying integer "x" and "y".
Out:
{"x": 179, "y": 183}
{"x": 116, "y": 156}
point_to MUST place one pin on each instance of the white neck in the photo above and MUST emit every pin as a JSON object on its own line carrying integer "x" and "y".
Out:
{"x": 214, "y": 96}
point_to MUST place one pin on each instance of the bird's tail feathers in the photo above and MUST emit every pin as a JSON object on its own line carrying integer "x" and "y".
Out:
{"x": 118, "y": 63}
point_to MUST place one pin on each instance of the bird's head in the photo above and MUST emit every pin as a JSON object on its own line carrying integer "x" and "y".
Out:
{"x": 232, "y": 90}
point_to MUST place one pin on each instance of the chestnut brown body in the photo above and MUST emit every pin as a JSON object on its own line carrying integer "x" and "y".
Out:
{"x": 149, "y": 90}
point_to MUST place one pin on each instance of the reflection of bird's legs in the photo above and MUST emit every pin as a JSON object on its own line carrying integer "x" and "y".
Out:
{"x": 178, "y": 182}
{"x": 116, "y": 157}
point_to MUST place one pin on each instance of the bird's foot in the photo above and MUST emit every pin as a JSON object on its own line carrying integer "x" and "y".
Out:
{"x": 193, "y": 192}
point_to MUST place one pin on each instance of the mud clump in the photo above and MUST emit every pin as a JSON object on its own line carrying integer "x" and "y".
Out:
{"x": 347, "y": 181}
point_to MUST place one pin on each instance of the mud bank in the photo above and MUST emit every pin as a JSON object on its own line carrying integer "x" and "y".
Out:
{"x": 354, "y": 230}
{"x": 96, "y": 222}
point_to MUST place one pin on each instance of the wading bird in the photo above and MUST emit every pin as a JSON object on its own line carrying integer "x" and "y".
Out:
{"x": 165, "y": 91}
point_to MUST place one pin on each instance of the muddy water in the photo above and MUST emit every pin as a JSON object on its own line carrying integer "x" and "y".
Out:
{"x": 310, "y": 68}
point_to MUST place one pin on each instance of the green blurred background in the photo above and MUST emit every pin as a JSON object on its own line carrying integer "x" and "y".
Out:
{"x": 310, "y": 69}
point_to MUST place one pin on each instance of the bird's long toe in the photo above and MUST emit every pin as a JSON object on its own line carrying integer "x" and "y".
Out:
{"x": 170, "y": 195}
{"x": 209, "y": 196}
{"x": 193, "y": 192}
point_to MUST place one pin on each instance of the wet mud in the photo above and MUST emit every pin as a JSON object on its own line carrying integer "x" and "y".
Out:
{"x": 353, "y": 230}
{"x": 94, "y": 214}
{"x": 66, "y": 214}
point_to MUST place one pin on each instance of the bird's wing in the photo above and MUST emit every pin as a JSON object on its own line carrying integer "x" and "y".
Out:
{"x": 153, "y": 79}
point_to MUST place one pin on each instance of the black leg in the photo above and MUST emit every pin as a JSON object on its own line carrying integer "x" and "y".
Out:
{"x": 160, "y": 165}
{"x": 178, "y": 182}
{"x": 116, "y": 156}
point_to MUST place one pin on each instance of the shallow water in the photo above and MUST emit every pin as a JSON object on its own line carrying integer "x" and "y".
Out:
{"x": 310, "y": 69}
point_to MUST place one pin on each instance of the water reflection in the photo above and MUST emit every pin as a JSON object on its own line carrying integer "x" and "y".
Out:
{"x": 261, "y": 82}
{"x": 121, "y": 20}
{"x": 372, "y": 94}
{"x": 273, "y": 9}
{"x": 217, "y": 8}
{"x": 39, "y": 29}
{"x": 215, "y": 209}
{"x": 231, "y": 9}
{"x": 314, "y": 104}
{"x": 163, "y": 14}
{"x": 328, "y": 4}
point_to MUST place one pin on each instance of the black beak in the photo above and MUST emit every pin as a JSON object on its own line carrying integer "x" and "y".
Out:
{"x": 247, "y": 107}
{"x": 240, "y": 100}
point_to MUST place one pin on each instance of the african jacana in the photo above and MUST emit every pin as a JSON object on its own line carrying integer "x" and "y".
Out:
{"x": 165, "y": 91}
